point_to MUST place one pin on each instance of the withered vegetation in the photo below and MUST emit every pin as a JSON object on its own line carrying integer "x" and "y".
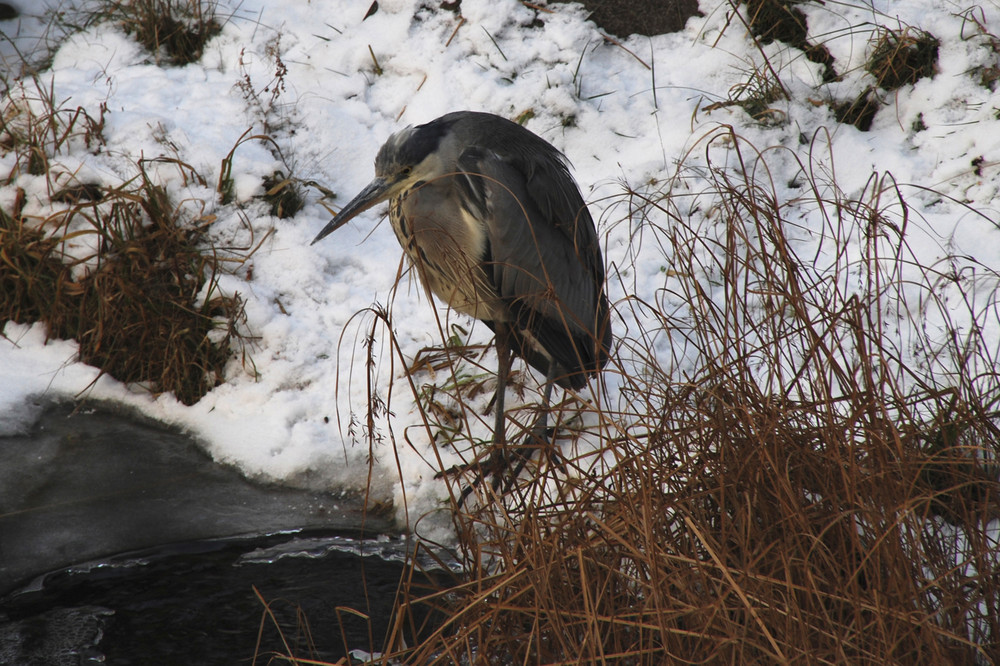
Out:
{"x": 142, "y": 299}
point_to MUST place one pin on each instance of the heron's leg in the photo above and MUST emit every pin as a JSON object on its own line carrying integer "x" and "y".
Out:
{"x": 503, "y": 465}
{"x": 543, "y": 419}
{"x": 503, "y": 373}
{"x": 537, "y": 437}
{"x": 497, "y": 461}
{"x": 498, "y": 458}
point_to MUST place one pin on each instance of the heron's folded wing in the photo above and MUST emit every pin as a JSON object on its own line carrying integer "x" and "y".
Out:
{"x": 539, "y": 266}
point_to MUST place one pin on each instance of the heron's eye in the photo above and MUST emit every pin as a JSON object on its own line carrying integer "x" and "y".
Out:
{"x": 406, "y": 171}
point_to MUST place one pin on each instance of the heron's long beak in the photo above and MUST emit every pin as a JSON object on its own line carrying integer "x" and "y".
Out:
{"x": 376, "y": 191}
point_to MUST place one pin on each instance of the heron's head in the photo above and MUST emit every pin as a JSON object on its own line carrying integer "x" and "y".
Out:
{"x": 410, "y": 156}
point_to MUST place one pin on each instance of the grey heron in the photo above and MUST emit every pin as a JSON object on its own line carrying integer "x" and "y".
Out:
{"x": 496, "y": 227}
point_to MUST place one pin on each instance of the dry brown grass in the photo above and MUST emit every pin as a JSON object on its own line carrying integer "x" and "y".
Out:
{"x": 143, "y": 303}
{"x": 902, "y": 57}
{"x": 897, "y": 56}
{"x": 807, "y": 472}
{"x": 172, "y": 30}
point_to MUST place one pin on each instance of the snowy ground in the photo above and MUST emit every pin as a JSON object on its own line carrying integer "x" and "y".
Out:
{"x": 593, "y": 99}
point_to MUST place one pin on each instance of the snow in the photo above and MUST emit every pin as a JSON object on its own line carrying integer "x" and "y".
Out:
{"x": 622, "y": 114}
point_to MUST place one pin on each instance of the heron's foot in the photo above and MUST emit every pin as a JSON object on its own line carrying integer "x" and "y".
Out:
{"x": 493, "y": 463}
{"x": 505, "y": 464}
{"x": 498, "y": 462}
{"x": 539, "y": 439}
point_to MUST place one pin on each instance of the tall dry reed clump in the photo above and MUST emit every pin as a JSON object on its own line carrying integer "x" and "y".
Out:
{"x": 802, "y": 467}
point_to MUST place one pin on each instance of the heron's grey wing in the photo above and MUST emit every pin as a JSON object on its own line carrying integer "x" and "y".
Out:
{"x": 541, "y": 272}
{"x": 543, "y": 170}
{"x": 554, "y": 192}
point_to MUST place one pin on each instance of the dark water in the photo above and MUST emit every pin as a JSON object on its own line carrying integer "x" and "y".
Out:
{"x": 88, "y": 482}
{"x": 195, "y": 603}
{"x": 121, "y": 542}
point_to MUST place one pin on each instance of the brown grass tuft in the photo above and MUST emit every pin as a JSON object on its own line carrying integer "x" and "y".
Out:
{"x": 902, "y": 57}
{"x": 147, "y": 319}
{"x": 143, "y": 300}
{"x": 148, "y": 309}
{"x": 176, "y": 30}
{"x": 34, "y": 283}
